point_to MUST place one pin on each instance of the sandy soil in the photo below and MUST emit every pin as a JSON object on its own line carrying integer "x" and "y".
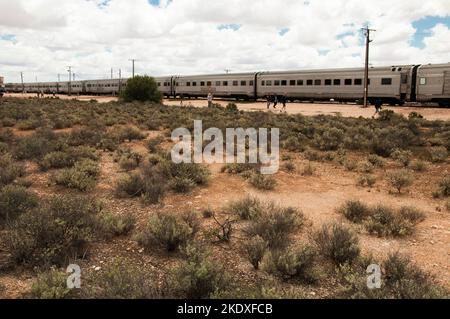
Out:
{"x": 308, "y": 109}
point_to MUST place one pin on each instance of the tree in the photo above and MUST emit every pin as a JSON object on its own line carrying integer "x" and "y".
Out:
{"x": 142, "y": 88}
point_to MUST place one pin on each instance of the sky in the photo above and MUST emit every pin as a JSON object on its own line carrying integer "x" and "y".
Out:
{"x": 41, "y": 38}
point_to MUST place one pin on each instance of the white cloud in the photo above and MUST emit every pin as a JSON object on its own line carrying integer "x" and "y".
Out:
{"x": 182, "y": 36}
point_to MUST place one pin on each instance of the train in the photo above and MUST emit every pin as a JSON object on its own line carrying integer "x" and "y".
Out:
{"x": 393, "y": 84}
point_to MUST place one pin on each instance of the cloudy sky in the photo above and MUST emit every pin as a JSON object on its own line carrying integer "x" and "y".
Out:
{"x": 43, "y": 37}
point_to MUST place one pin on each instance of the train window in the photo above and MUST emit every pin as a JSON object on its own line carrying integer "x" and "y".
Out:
{"x": 423, "y": 81}
{"x": 188, "y": 83}
{"x": 269, "y": 83}
{"x": 251, "y": 83}
{"x": 328, "y": 82}
{"x": 202, "y": 83}
{"x": 292, "y": 82}
{"x": 386, "y": 81}
{"x": 284, "y": 83}
{"x": 309, "y": 82}
{"x": 317, "y": 82}
{"x": 225, "y": 83}
{"x": 218, "y": 83}
{"x": 337, "y": 82}
{"x": 348, "y": 81}
{"x": 358, "y": 81}
{"x": 300, "y": 82}
{"x": 243, "y": 83}
{"x": 209, "y": 83}
{"x": 235, "y": 83}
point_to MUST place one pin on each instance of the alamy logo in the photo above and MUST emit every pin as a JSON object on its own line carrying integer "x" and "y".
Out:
{"x": 190, "y": 148}
{"x": 374, "y": 278}
{"x": 74, "y": 279}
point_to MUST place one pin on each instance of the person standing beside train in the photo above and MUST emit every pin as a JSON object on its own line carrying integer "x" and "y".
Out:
{"x": 210, "y": 100}
{"x": 378, "y": 107}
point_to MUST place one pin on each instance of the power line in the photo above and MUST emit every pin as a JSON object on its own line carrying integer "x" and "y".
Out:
{"x": 366, "y": 69}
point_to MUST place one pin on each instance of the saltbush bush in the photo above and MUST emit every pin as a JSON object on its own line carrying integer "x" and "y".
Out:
{"x": 198, "y": 277}
{"x": 338, "y": 243}
{"x": 142, "y": 88}
{"x": 275, "y": 224}
{"x": 58, "y": 230}
{"x": 167, "y": 231}
{"x": 15, "y": 201}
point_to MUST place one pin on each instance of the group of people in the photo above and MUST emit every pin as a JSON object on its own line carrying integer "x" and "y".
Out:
{"x": 275, "y": 99}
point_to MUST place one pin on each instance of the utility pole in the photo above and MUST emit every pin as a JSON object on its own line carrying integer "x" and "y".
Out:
{"x": 133, "y": 61}
{"x": 366, "y": 70}
{"x": 23, "y": 86}
{"x": 120, "y": 80}
{"x": 70, "y": 80}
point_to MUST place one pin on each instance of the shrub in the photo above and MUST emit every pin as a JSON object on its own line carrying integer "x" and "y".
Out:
{"x": 400, "y": 179}
{"x": 10, "y": 170}
{"x": 293, "y": 263}
{"x": 275, "y": 224}
{"x": 247, "y": 208}
{"x": 376, "y": 160}
{"x": 232, "y": 107}
{"x": 15, "y": 201}
{"x": 444, "y": 186}
{"x": 129, "y": 133}
{"x": 263, "y": 182}
{"x": 384, "y": 221}
{"x": 142, "y": 88}
{"x": 404, "y": 280}
{"x": 338, "y": 243}
{"x": 419, "y": 166}
{"x": 123, "y": 280}
{"x": 51, "y": 285}
{"x": 111, "y": 225}
{"x": 167, "y": 231}
{"x": 438, "y": 154}
{"x": 182, "y": 185}
{"x": 83, "y": 176}
{"x": 293, "y": 144}
{"x": 153, "y": 144}
{"x": 128, "y": 160}
{"x": 402, "y": 156}
{"x": 289, "y": 167}
{"x": 198, "y": 277}
{"x": 355, "y": 211}
{"x": 313, "y": 156}
{"x": 330, "y": 140}
{"x": 32, "y": 147}
{"x": 387, "y": 140}
{"x": 255, "y": 249}
{"x": 366, "y": 168}
{"x": 367, "y": 180}
{"x": 350, "y": 165}
{"x": 208, "y": 213}
{"x": 60, "y": 229}
{"x": 308, "y": 170}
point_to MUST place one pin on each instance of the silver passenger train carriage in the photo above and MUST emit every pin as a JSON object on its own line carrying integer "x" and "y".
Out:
{"x": 394, "y": 85}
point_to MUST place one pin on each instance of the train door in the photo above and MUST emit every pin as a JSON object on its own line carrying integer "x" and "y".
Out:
{"x": 446, "y": 90}
{"x": 83, "y": 88}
